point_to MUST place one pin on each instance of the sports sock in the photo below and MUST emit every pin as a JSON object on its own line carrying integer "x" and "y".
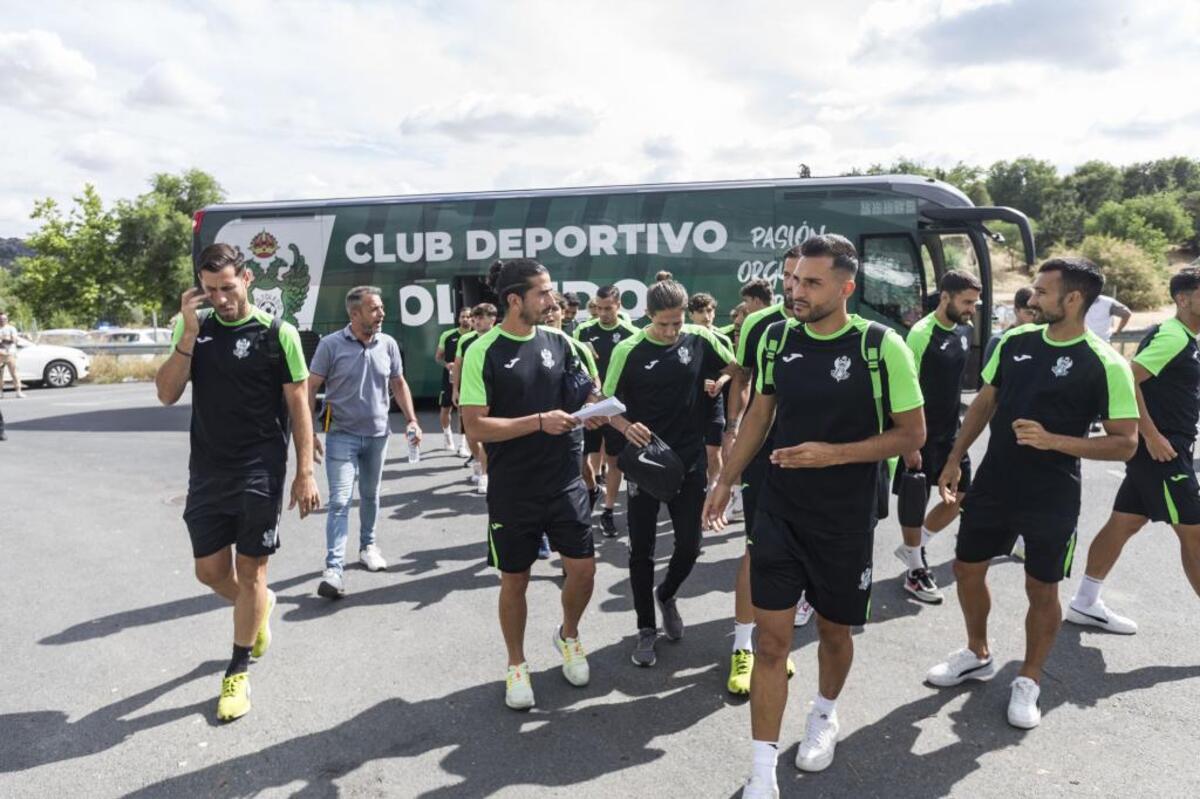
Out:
{"x": 743, "y": 636}
{"x": 766, "y": 756}
{"x": 823, "y": 706}
{"x": 1087, "y": 593}
{"x": 240, "y": 661}
{"x": 913, "y": 556}
{"x": 926, "y": 536}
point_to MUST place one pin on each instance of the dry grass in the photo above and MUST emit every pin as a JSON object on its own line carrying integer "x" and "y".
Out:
{"x": 125, "y": 369}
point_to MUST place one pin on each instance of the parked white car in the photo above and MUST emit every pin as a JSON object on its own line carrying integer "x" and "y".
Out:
{"x": 49, "y": 364}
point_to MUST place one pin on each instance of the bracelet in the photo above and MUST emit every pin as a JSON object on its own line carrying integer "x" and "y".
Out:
{"x": 184, "y": 354}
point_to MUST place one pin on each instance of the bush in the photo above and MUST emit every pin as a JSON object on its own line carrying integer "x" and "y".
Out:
{"x": 1130, "y": 274}
{"x": 113, "y": 369}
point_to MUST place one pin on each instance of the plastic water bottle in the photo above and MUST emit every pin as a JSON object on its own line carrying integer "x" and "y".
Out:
{"x": 414, "y": 448}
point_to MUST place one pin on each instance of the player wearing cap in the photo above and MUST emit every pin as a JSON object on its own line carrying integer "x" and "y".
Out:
{"x": 660, "y": 374}
{"x": 1043, "y": 387}
{"x": 940, "y": 344}
{"x": 844, "y": 396}
{"x": 1160, "y": 481}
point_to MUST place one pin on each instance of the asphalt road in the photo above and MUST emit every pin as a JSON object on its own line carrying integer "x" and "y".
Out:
{"x": 112, "y": 655}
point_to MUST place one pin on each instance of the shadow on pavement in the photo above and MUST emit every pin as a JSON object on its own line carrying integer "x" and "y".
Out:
{"x": 154, "y": 614}
{"x": 144, "y": 419}
{"x": 39, "y": 737}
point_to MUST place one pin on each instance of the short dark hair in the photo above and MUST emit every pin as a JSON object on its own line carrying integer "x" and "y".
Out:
{"x": 956, "y": 281}
{"x": 216, "y": 257}
{"x": 512, "y": 277}
{"x": 1185, "y": 280}
{"x": 665, "y": 295}
{"x": 608, "y": 292}
{"x": 484, "y": 309}
{"x": 792, "y": 254}
{"x": 1078, "y": 274}
{"x": 831, "y": 245}
{"x": 662, "y": 275}
{"x": 702, "y": 300}
{"x": 572, "y": 299}
{"x": 758, "y": 289}
{"x": 1021, "y": 298}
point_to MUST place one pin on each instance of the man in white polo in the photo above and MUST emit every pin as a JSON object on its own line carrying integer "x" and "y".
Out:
{"x": 357, "y": 364}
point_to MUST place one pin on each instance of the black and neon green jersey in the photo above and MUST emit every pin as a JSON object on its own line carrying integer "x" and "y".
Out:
{"x": 1168, "y": 351}
{"x": 584, "y": 353}
{"x": 823, "y": 392}
{"x": 515, "y": 377}
{"x": 604, "y": 339}
{"x": 661, "y": 384}
{"x": 448, "y": 343}
{"x": 1064, "y": 385}
{"x": 464, "y": 343}
{"x": 238, "y": 370}
{"x": 727, "y": 330}
{"x": 752, "y": 329}
{"x": 941, "y": 354}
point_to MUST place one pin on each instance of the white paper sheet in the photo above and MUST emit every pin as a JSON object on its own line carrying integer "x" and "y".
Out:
{"x": 610, "y": 406}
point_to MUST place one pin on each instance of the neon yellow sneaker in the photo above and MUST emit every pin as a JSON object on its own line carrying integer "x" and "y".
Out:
{"x": 235, "y": 697}
{"x": 262, "y": 641}
{"x": 791, "y": 667}
{"x": 739, "y": 672}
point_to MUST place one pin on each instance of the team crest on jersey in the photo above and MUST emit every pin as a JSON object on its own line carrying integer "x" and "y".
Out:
{"x": 547, "y": 359}
{"x": 1063, "y": 366}
{"x": 864, "y": 581}
{"x": 841, "y": 369}
{"x": 965, "y": 344}
{"x": 617, "y": 337}
{"x": 685, "y": 356}
{"x": 241, "y": 348}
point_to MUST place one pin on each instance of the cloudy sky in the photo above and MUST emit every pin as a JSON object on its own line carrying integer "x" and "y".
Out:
{"x": 342, "y": 99}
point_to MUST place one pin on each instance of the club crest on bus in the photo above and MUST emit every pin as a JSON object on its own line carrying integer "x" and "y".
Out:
{"x": 279, "y": 288}
{"x": 841, "y": 369}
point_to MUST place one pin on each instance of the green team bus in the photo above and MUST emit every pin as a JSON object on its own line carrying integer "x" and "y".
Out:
{"x": 430, "y": 253}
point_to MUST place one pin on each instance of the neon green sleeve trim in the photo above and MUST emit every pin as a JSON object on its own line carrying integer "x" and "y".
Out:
{"x": 582, "y": 326}
{"x": 904, "y": 384}
{"x": 441, "y": 345}
{"x": 918, "y": 340}
{"x": 760, "y": 372}
{"x": 1167, "y": 343}
{"x": 465, "y": 338}
{"x": 722, "y": 349}
{"x": 1122, "y": 399}
{"x": 993, "y": 365}
{"x": 628, "y": 325}
{"x": 177, "y": 331}
{"x": 473, "y": 390}
{"x": 585, "y": 354}
{"x": 293, "y": 351}
{"x": 616, "y": 365}
{"x": 747, "y": 325}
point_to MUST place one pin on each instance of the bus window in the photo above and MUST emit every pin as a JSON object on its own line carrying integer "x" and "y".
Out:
{"x": 891, "y": 280}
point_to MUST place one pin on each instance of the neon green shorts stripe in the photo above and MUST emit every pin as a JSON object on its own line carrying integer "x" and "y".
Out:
{"x": 1172, "y": 511}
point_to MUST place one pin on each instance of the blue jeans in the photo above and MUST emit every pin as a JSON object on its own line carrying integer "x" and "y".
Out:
{"x": 347, "y": 458}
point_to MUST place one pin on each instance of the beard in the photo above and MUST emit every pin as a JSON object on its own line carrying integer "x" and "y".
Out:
{"x": 813, "y": 313}
{"x": 959, "y": 318}
{"x": 1047, "y": 316}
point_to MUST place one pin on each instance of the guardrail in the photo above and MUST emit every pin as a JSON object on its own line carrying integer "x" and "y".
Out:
{"x": 128, "y": 348}
{"x": 1126, "y": 337}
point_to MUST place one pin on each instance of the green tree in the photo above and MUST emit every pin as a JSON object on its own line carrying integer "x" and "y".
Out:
{"x": 188, "y": 191}
{"x": 1024, "y": 184}
{"x": 1130, "y": 274}
{"x": 1094, "y": 184}
{"x": 1062, "y": 220}
{"x": 1119, "y": 220}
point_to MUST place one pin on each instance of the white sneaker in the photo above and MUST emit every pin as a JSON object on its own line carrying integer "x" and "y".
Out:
{"x": 804, "y": 613}
{"x": 476, "y": 473}
{"x": 331, "y": 585}
{"x": 575, "y": 665}
{"x": 463, "y": 450}
{"x": 1098, "y": 615}
{"x": 1023, "y": 710}
{"x": 448, "y": 440}
{"x": 518, "y": 690}
{"x": 760, "y": 789}
{"x": 372, "y": 558}
{"x": 1018, "y": 550}
{"x": 481, "y": 486}
{"x": 736, "y": 511}
{"x": 820, "y": 739}
{"x": 959, "y": 667}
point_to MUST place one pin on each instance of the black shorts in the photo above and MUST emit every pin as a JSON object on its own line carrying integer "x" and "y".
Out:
{"x": 234, "y": 510}
{"x": 607, "y": 436}
{"x": 990, "y": 526}
{"x": 1162, "y": 492}
{"x": 516, "y": 525}
{"x": 832, "y": 570}
{"x": 445, "y": 398}
{"x": 754, "y": 480}
{"x": 714, "y": 432}
{"x": 933, "y": 460}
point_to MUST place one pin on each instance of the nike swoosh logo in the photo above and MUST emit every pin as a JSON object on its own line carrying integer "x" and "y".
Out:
{"x": 512, "y": 363}
{"x": 945, "y": 344}
{"x": 204, "y": 340}
{"x": 650, "y": 365}
{"x": 643, "y": 459}
{"x": 1020, "y": 358}
{"x": 1175, "y": 478}
{"x": 793, "y": 356}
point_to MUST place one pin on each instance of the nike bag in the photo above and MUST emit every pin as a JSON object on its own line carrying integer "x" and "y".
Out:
{"x": 654, "y": 468}
{"x": 577, "y": 385}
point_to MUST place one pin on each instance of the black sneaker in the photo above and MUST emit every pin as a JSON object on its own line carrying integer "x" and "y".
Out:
{"x": 920, "y": 583}
{"x": 608, "y": 524}
{"x": 593, "y": 495}
{"x": 672, "y": 622}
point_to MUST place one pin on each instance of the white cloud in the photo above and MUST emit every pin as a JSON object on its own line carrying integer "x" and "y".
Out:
{"x": 38, "y": 71}
{"x": 478, "y": 116}
{"x": 101, "y": 150}
{"x": 170, "y": 85}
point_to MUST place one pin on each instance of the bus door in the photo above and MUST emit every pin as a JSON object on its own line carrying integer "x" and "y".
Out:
{"x": 467, "y": 291}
